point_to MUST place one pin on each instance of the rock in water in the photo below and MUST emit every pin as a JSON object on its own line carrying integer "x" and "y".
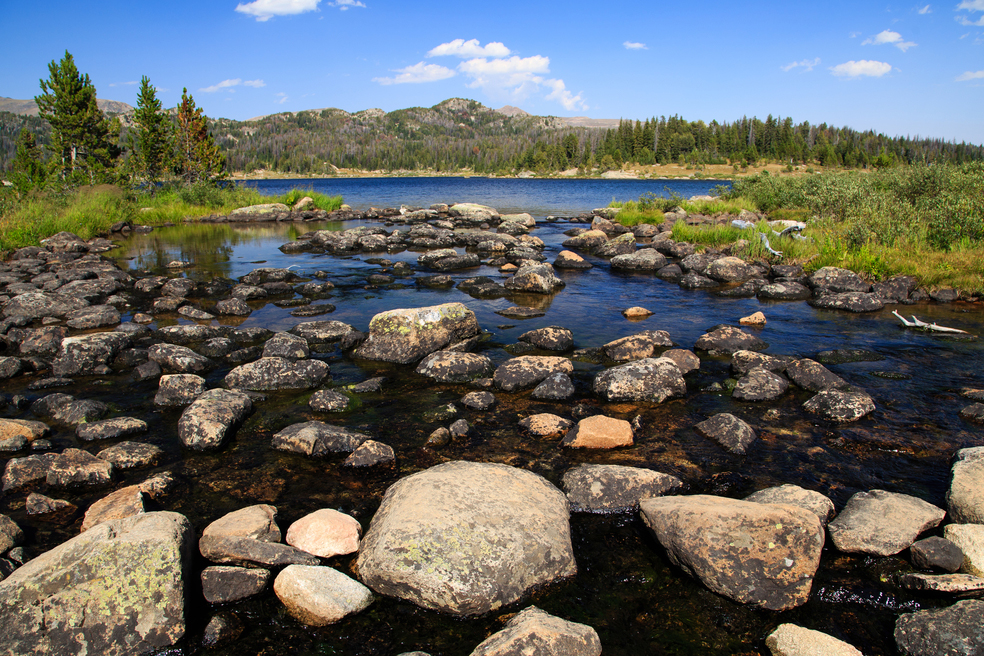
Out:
{"x": 405, "y": 336}
{"x": 319, "y": 596}
{"x": 535, "y": 632}
{"x": 727, "y": 430}
{"x": 117, "y": 589}
{"x": 955, "y": 630}
{"x": 882, "y": 523}
{"x": 758, "y": 554}
{"x": 965, "y": 498}
{"x": 651, "y": 379}
{"x": 278, "y": 374}
{"x": 614, "y": 488}
{"x": 206, "y": 422}
{"x": 467, "y": 538}
{"x": 792, "y": 640}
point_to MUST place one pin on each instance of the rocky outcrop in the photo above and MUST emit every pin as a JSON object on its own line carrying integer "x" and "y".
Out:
{"x": 882, "y": 523}
{"x": 533, "y": 631}
{"x": 206, "y": 423}
{"x": 757, "y": 554}
{"x": 126, "y": 579}
{"x": 614, "y": 488}
{"x": 652, "y": 379}
{"x": 467, "y": 538}
{"x": 406, "y": 336}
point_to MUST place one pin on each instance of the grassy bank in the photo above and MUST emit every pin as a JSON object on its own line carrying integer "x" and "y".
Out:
{"x": 923, "y": 221}
{"x": 90, "y": 211}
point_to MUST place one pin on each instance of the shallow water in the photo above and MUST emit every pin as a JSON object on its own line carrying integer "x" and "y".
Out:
{"x": 625, "y": 588}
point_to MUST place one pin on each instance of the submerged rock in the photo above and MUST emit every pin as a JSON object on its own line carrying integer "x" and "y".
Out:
{"x": 467, "y": 538}
{"x": 614, "y": 488}
{"x": 535, "y": 632}
{"x": 882, "y": 523}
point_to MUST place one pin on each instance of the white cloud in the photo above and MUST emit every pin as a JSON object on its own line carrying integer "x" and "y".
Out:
{"x": 971, "y": 75}
{"x": 470, "y": 48}
{"x": 417, "y": 73}
{"x": 888, "y": 37}
{"x": 346, "y": 4}
{"x": 256, "y": 84}
{"x": 807, "y": 65}
{"x": 563, "y": 96}
{"x": 224, "y": 84}
{"x": 861, "y": 68}
{"x": 264, "y": 10}
{"x": 503, "y": 74}
{"x": 630, "y": 45}
{"x": 926, "y": 10}
{"x": 963, "y": 20}
{"x": 123, "y": 84}
{"x": 281, "y": 98}
{"x": 971, "y": 5}
{"x": 854, "y": 35}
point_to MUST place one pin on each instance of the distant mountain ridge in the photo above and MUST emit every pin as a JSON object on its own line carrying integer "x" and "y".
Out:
{"x": 30, "y": 108}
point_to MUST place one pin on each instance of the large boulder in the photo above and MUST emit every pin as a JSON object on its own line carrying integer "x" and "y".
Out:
{"x": 535, "y": 632}
{"x": 467, "y": 538}
{"x": 82, "y": 355}
{"x": 406, "y": 336}
{"x": 882, "y": 523}
{"x": 650, "y": 379}
{"x": 759, "y": 554}
{"x": 278, "y": 374}
{"x": 117, "y": 589}
{"x": 614, "y": 488}
{"x": 965, "y": 498}
{"x": 955, "y": 630}
{"x": 205, "y": 423}
{"x": 534, "y": 279}
{"x": 529, "y": 370}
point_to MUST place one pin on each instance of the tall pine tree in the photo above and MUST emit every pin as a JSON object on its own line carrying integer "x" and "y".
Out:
{"x": 80, "y": 133}
{"x": 153, "y": 140}
{"x": 197, "y": 157}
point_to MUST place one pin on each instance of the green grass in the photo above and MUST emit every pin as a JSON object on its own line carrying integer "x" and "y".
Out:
{"x": 91, "y": 211}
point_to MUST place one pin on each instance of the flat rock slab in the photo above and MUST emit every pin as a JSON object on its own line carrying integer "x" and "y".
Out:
{"x": 528, "y": 371}
{"x": 24, "y": 472}
{"x": 222, "y": 584}
{"x": 454, "y": 367}
{"x": 849, "y": 301}
{"x": 179, "y": 389}
{"x": 793, "y": 495}
{"x": 954, "y": 630}
{"x": 793, "y": 640}
{"x": 729, "y": 431}
{"x": 533, "y": 631}
{"x": 882, "y": 523}
{"x": 179, "y": 359}
{"x": 278, "y": 374}
{"x": 651, "y": 379}
{"x": 125, "y": 502}
{"x": 328, "y": 401}
{"x": 599, "y": 432}
{"x": 946, "y": 583}
{"x": 614, "y": 488}
{"x": 545, "y": 425}
{"x": 321, "y": 332}
{"x": 29, "y": 430}
{"x": 637, "y": 347}
{"x": 318, "y": 596}
{"x": 250, "y": 537}
{"x": 129, "y": 455}
{"x": 207, "y": 422}
{"x": 841, "y": 406}
{"x": 75, "y": 468}
{"x": 316, "y": 438}
{"x": 758, "y": 554}
{"x": 467, "y": 538}
{"x": 520, "y": 312}
{"x": 107, "y": 429}
{"x": 128, "y": 579}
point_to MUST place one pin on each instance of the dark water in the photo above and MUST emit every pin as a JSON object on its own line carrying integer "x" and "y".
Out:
{"x": 508, "y": 195}
{"x": 625, "y": 587}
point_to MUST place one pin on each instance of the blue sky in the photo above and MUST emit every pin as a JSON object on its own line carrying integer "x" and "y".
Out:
{"x": 903, "y": 69}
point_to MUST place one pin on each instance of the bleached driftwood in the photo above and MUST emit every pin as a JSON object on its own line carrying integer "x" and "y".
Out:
{"x": 930, "y": 327}
{"x": 745, "y": 225}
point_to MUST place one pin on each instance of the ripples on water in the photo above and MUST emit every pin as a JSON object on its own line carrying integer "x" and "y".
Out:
{"x": 625, "y": 588}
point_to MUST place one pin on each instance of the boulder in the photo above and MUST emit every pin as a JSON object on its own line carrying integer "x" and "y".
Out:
{"x": 729, "y": 431}
{"x": 128, "y": 455}
{"x": 236, "y": 307}
{"x": 652, "y": 379}
{"x": 318, "y": 596}
{"x": 250, "y": 536}
{"x": 955, "y": 584}
{"x": 956, "y": 630}
{"x": 636, "y": 312}
{"x": 534, "y": 632}
{"x": 794, "y": 495}
{"x": 125, "y": 502}
{"x": 850, "y": 301}
{"x": 222, "y": 584}
{"x": 834, "y": 280}
{"x": 316, "y": 438}
{"x": 841, "y": 406}
{"x": 325, "y": 533}
{"x": 784, "y": 291}
{"x": 936, "y": 553}
{"x": 48, "y": 509}
{"x": 965, "y": 497}
{"x": 545, "y": 425}
{"x": 74, "y": 468}
{"x": 571, "y": 260}
{"x": 11, "y": 534}
{"x": 24, "y": 428}
{"x": 744, "y": 361}
{"x": 36, "y": 305}
{"x": 621, "y": 245}
{"x": 448, "y": 259}
{"x": 551, "y": 338}
{"x": 66, "y": 409}
{"x": 128, "y": 579}
{"x": 586, "y": 241}
{"x": 474, "y": 214}
{"x": 406, "y": 336}
{"x": 614, "y": 488}
{"x": 882, "y": 523}
{"x": 479, "y": 400}
{"x": 286, "y": 346}
{"x": 760, "y": 384}
{"x": 371, "y": 453}
{"x": 467, "y": 538}
{"x": 813, "y": 376}
{"x": 759, "y": 554}
{"x": 328, "y": 401}
{"x": 534, "y": 279}
{"x": 555, "y": 387}
{"x": 646, "y": 259}
{"x": 970, "y": 539}
{"x": 27, "y": 471}
{"x": 205, "y": 423}
{"x": 529, "y": 370}
{"x": 454, "y": 367}
{"x": 793, "y": 640}
{"x": 686, "y": 361}
{"x": 731, "y": 269}
{"x": 599, "y": 432}
{"x": 108, "y": 429}
{"x": 179, "y": 389}
{"x": 278, "y": 374}
{"x": 637, "y": 347}
{"x": 82, "y": 355}
{"x": 727, "y": 340}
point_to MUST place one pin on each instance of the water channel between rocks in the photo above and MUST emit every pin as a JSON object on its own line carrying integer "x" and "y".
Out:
{"x": 625, "y": 587}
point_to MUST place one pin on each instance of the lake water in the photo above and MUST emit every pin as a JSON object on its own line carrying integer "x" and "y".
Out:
{"x": 625, "y": 588}
{"x": 560, "y": 197}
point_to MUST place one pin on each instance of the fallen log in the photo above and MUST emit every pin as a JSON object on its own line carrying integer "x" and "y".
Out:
{"x": 929, "y": 327}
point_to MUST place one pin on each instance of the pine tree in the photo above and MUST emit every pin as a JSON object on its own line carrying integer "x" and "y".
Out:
{"x": 153, "y": 140}
{"x": 28, "y": 170}
{"x": 197, "y": 157}
{"x": 79, "y": 130}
